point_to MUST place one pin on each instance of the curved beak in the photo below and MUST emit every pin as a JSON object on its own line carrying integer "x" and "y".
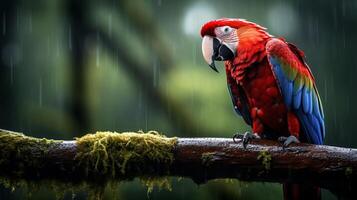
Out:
{"x": 213, "y": 49}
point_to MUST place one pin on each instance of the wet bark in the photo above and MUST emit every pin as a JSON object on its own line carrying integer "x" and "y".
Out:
{"x": 203, "y": 159}
{"x": 329, "y": 167}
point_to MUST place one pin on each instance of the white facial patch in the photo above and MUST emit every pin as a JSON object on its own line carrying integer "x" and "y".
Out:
{"x": 228, "y": 36}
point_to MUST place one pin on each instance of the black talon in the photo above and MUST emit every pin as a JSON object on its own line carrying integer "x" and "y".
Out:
{"x": 237, "y": 136}
{"x": 288, "y": 140}
{"x": 245, "y": 138}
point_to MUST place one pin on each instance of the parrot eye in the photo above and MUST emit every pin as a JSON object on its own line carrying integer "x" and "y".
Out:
{"x": 226, "y": 30}
{"x": 223, "y": 31}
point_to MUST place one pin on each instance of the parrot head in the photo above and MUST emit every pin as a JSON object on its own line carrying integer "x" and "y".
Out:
{"x": 223, "y": 39}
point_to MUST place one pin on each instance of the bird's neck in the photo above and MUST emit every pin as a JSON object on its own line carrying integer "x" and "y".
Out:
{"x": 251, "y": 50}
{"x": 251, "y": 47}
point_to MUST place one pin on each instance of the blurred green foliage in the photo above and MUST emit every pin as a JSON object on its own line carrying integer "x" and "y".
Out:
{"x": 37, "y": 73}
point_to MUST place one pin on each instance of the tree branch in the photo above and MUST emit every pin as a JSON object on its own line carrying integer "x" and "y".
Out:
{"x": 106, "y": 155}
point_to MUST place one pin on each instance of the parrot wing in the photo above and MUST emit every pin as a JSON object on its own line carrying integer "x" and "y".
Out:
{"x": 239, "y": 99}
{"x": 297, "y": 86}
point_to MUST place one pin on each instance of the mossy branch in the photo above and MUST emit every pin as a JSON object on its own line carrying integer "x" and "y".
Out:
{"x": 106, "y": 156}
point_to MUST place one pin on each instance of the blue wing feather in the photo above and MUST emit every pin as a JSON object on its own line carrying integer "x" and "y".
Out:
{"x": 297, "y": 99}
{"x": 306, "y": 100}
{"x": 285, "y": 84}
{"x": 289, "y": 92}
{"x": 298, "y": 96}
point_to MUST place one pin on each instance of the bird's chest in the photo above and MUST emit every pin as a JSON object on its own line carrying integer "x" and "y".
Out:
{"x": 265, "y": 100}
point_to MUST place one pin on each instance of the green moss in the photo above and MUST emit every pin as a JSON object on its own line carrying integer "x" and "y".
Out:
{"x": 348, "y": 171}
{"x": 114, "y": 154}
{"x": 206, "y": 158}
{"x": 265, "y": 158}
{"x": 110, "y": 152}
{"x": 160, "y": 182}
{"x": 107, "y": 153}
{"x": 18, "y": 150}
{"x": 59, "y": 188}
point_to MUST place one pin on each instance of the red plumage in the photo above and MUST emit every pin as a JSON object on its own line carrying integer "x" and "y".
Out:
{"x": 252, "y": 71}
{"x": 254, "y": 87}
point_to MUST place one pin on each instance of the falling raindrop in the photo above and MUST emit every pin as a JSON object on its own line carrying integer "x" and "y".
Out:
{"x": 173, "y": 48}
{"x": 335, "y": 17}
{"x": 48, "y": 45}
{"x": 146, "y": 117}
{"x": 30, "y": 23}
{"x": 17, "y": 19}
{"x": 344, "y": 37}
{"x": 343, "y": 8}
{"x": 70, "y": 37}
{"x": 11, "y": 71}
{"x": 332, "y": 89}
{"x": 97, "y": 61}
{"x": 325, "y": 90}
{"x": 140, "y": 99}
{"x": 156, "y": 72}
{"x": 4, "y": 23}
{"x": 347, "y": 104}
{"x": 40, "y": 93}
{"x": 55, "y": 80}
{"x": 159, "y": 2}
{"x": 194, "y": 53}
{"x": 110, "y": 25}
{"x": 57, "y": 47}
{"x": 317, "y": 31}
{"x": 116, "y": 61}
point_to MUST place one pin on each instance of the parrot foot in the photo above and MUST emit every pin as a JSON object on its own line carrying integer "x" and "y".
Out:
{"x": 288, "y": 140}
{"x": 245, "y": 138}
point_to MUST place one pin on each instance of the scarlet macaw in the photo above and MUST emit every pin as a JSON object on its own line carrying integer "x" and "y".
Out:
{"x": 271, "y": 86}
